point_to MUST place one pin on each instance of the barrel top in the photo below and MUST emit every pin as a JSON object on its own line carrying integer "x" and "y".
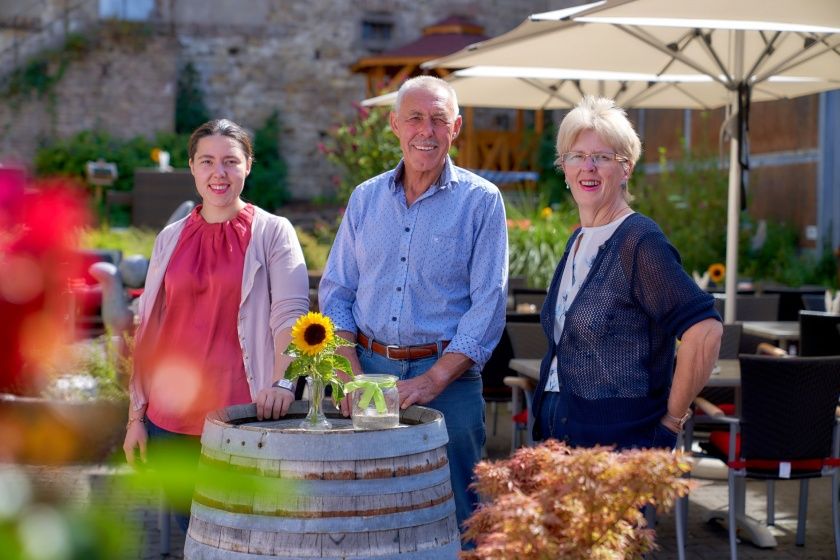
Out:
{"x": 236, "y": 430}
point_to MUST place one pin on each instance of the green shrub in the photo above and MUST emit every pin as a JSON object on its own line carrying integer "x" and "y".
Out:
{"x": 688, "y": 201}
{"x": 777, "y": 259}
{"x": 190, "y": 109}
{"x": 266, "y": 184}
{"x": 67, "y": 157}
{"x": 537, "y": 236}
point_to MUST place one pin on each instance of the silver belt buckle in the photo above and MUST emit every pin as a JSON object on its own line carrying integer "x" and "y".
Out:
{"x": 388, "y": 351}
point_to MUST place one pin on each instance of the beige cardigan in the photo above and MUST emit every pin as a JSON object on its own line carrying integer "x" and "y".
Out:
{"x": 275, "y": 292}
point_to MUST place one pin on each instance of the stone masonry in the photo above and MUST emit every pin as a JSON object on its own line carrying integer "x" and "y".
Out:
{"x": 254, "y": 58}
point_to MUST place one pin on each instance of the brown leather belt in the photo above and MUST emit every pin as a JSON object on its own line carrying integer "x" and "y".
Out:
{"x": 400, "y": 352}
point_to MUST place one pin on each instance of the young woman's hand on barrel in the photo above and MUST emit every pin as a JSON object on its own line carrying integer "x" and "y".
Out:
{"x": 273, "y": 402}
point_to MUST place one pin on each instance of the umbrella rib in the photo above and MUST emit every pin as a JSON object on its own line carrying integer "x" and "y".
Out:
{"x": 552, "y": 93}
{"x": 657, "y": 44}
{"x": 801, "y": 58}
{"x": 765, "y": 53}
{"x": 706, "y": 45}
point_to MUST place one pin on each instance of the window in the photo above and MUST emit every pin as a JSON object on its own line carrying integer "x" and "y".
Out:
{"x": 130, "y": 10}
{"x": 377, "y": 31}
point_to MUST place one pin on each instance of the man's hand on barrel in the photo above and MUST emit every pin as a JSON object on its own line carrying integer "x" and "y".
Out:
{"x": 424, "y": 388}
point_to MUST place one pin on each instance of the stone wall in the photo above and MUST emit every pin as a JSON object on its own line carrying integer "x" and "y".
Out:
{"x": 122, "y": 87}
{"x": 253, "y": 58}
{"x": 294, "y": 57}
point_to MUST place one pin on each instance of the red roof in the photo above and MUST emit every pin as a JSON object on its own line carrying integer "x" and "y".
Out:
{"x": 444, "y": 37}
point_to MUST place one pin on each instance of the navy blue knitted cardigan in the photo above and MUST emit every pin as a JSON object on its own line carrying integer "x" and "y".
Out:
{"x": 616, "y": 354}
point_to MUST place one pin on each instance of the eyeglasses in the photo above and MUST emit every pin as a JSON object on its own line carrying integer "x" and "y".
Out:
{"x": 599, "y": 159}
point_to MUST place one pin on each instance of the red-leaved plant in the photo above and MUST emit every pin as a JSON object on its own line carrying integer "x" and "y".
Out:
{"x": 552, "y": 501}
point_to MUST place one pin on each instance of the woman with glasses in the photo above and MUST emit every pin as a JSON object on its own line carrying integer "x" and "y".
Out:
{"x": 617, "y": 304}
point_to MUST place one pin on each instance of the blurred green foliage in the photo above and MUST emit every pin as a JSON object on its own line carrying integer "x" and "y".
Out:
{"x": 68, "y": 157}
{"x": 361, "y": 149}
{"x": 537, "y": 235}
{"x": 266, "y": 185}
{"x": 777, "y": 259}
{"x": 131, "y": 240}
{"x": 190, "y": 109}
{"x": 688, "y": 201}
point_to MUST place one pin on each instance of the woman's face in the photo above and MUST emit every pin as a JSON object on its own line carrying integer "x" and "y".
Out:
{"x": 595, "y": 185}
{"x": 219, "y": 168}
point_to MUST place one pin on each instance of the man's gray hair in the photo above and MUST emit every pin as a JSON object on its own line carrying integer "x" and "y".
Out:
{"x": 428, "y": 83}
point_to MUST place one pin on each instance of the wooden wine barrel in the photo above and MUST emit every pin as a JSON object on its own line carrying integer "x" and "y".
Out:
{"x": 271, "y": 490}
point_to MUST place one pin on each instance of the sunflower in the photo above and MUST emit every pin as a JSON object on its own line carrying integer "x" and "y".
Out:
{"x": 155, "y": 155}
{"x": 312, "y": 333}
{"x": 717, "y": 272}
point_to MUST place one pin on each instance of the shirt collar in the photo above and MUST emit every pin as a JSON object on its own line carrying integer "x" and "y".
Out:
{"x": 447, "y": 177}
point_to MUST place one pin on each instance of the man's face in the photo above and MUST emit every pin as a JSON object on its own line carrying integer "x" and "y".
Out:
{"x": 426, "y": 126}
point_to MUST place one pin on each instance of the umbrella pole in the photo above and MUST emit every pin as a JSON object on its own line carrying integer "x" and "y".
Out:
{"x": 733, "y": 219}
{"x": 733, "y": 215}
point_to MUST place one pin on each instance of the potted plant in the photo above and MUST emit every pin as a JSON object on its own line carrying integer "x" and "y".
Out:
{"x": 552, "y": 501}
{"x": 78, "y": 417}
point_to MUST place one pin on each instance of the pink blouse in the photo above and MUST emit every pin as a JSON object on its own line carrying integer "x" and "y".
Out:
{"x": 195, "y": 360}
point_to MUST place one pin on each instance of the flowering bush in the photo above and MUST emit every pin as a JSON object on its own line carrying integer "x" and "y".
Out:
{"x": 362, "y": 148}
{"x": 537, "y": 236}
{"x": 551, "y": 501}
{"x": 39, "y": 230}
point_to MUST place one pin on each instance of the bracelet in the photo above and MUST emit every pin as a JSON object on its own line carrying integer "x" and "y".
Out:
{"x": 140, "y": 419}
{"x": 284, "y": 384}
{"x": 680, "y": 421}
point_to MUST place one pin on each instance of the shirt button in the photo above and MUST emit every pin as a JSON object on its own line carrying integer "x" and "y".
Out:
{"x": 393, "y": 318}
{"x": 407, "y": 229}
{"x": 399, "y": 289}
{"x": 402, "y": 259}
{"x": 563, "y": 420}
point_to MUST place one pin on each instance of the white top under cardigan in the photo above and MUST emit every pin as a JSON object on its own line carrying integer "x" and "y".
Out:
{"x": 577, "y": 268}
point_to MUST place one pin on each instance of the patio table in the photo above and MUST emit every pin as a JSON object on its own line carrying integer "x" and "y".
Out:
{"x": 784, "y": 332}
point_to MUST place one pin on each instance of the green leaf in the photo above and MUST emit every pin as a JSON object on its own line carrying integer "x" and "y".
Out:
{"x": 338, "y": 392}
{"x": 325, "y": 370}
{"x": 379, "y": 399}
{"x": 296, "y": 369}
{"x": 370, "y": 390}
{"x": 342, "y": 363}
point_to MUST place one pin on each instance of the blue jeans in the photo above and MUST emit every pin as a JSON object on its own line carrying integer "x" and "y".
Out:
{"x": 190, "y": 444}
{"x": 462, "y": 405}
{"x": 554, "y": 413}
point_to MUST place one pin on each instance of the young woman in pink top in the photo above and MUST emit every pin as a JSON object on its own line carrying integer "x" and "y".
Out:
{"x": 224, "y": 286}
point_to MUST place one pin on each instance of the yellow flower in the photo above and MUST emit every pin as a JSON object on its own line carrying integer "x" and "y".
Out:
{"x": 717, "y": 272}
{"x": 546, "y": 212}
{"x": 155, "y": 155}
{"x": 312, "y": 333}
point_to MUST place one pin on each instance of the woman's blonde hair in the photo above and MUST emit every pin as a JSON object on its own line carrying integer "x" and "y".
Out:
{"x": 607, "y": 120}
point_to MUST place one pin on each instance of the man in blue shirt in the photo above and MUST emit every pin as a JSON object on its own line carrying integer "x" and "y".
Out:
{"x": 418, "y": 275}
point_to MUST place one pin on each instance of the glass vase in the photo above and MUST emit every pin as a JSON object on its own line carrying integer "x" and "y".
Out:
{"x": 366, "y": 415}
{"x": 315, "y": 419}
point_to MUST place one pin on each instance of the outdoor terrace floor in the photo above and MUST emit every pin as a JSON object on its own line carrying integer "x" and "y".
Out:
{"x": 705, "y": 541}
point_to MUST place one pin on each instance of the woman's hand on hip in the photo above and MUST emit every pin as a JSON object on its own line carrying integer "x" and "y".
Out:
{"x": 273, "y": 402}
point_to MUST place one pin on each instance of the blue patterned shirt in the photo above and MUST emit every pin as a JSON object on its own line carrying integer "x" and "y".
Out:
{"x": 436, "y": 270}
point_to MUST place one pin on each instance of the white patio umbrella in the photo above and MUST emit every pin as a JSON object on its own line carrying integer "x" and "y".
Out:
{"x": 557, "y": 88}
{"x": 748, "y": 50}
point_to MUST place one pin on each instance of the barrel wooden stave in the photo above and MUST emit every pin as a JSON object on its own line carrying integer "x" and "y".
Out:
{"x": 335, "y": 494}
